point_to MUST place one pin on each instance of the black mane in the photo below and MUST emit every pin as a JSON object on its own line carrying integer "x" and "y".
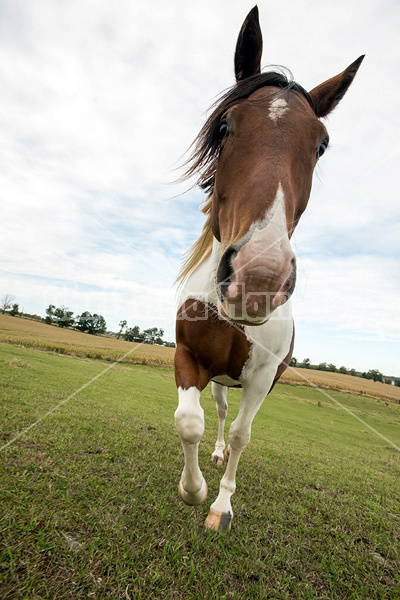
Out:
{"x": 205, "y": 154}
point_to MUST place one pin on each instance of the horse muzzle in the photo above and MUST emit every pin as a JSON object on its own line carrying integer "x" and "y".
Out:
{"x": 250, "y": 289}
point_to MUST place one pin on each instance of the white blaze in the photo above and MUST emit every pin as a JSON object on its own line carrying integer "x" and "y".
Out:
{"x": 265, "y": 247}
{"x": 271, "y": 230}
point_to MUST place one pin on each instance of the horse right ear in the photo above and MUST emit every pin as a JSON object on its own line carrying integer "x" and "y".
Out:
{"x": 327, "y": 95}
{"x": 249, "y": 47}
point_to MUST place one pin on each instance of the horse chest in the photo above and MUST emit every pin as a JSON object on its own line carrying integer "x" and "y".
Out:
{"x": 220, "y": 349}
{"x": 228, "y": 353}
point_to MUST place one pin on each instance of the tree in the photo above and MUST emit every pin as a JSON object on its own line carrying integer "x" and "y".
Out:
{"x": 352, "y": 372}
{"x": 98, "y": 324}
{"x": 14, "y": 310}
{"x": 322, "y": 366}
{"x": 331, "y": 368}
{"x": 5, "y": 302}
{"x": 133, "y": 334}
{"x": 153, "y": 335}
{"x": 50, "y": 314}
{"x": 149, "y": 335}
{"x": 63, "y": 317}
{"x": 122, "y": 325}
{"x": 343, "y": 370}
{"x": 159, "y": 337}
{"x": 293, "y": 362}
{"x": 93, "y": 324}
{"x": 375, "y": 375}
{"x": 82, "y": 321}
{"x": 306, "y": 364}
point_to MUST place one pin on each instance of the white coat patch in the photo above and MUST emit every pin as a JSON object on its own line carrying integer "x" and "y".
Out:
{"x": 277, "y": 109}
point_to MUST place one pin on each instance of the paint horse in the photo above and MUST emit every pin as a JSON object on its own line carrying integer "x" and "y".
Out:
{"x": 255, "y": 156}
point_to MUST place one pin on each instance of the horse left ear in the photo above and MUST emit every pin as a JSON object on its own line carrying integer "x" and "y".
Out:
{"x": 328, "y": 94}
{"x": 249, "y": 47}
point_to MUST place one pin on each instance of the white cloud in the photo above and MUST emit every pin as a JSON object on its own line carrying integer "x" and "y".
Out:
{"x": 356, "y": 294}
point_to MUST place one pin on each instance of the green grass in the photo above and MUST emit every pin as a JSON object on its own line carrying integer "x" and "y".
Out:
{"x": 90, "y": 506}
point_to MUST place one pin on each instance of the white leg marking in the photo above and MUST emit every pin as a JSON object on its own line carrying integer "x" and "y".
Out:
{"x": 189, "y": 422}
{"x": 220, "y": 392}
{"x": 221, "y": 513}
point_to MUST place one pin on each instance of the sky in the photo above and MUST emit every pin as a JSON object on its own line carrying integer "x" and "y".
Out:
{"x": 100, "y": 100}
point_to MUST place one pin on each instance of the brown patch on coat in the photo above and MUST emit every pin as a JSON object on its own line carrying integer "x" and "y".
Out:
{"x": 207, "y": 346}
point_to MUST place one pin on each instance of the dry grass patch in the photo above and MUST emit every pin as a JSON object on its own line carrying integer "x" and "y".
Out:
{"x": 33, "y": 334}
{"x": 343, "y": 383}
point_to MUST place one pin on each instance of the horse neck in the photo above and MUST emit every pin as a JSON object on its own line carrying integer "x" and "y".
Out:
{"x": 201, "y": 282}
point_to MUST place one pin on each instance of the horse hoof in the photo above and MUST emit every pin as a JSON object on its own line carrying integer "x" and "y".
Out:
{"x": 217, "y": 460}
{"x": 226, "y": 453}
{"x": 218, "y": 521}
{"x": 196, "y": 498}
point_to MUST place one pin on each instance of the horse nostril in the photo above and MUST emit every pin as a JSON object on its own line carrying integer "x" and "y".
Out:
{"x": 290, "y": 283}
{"x": 225, "y": 272}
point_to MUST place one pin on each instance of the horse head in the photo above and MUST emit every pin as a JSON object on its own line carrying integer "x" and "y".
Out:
{"x": 258, "y": 151}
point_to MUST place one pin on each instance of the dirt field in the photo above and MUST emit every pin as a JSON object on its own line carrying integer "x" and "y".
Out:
{"x": 24, "y": 332}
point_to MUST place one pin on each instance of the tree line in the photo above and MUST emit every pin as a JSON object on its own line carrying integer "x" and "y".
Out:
{"x": 96, "y": 324}
{"x": 153, "y": 335}
{"x": 373, "y": 374}
{"x": 86, "y": 322}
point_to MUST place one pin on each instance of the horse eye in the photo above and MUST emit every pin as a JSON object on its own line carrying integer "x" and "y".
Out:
{"x": 224, "y": 130}
{"x": 321, "y": 148}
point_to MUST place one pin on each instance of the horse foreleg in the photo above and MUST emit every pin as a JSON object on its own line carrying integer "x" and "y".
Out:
{"x": 220, "y": 392}
{"x": 221, "y": 513}
{"x": 189, "y": 422}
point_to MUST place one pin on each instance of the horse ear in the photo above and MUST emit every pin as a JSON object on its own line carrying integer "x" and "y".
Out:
{"x": 328, "y": 94}
{"x": 249, "y": 47}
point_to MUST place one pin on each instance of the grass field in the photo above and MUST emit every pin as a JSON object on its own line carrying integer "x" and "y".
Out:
{"x": 89, "y": 496}
{"x": 33, "y": 334}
